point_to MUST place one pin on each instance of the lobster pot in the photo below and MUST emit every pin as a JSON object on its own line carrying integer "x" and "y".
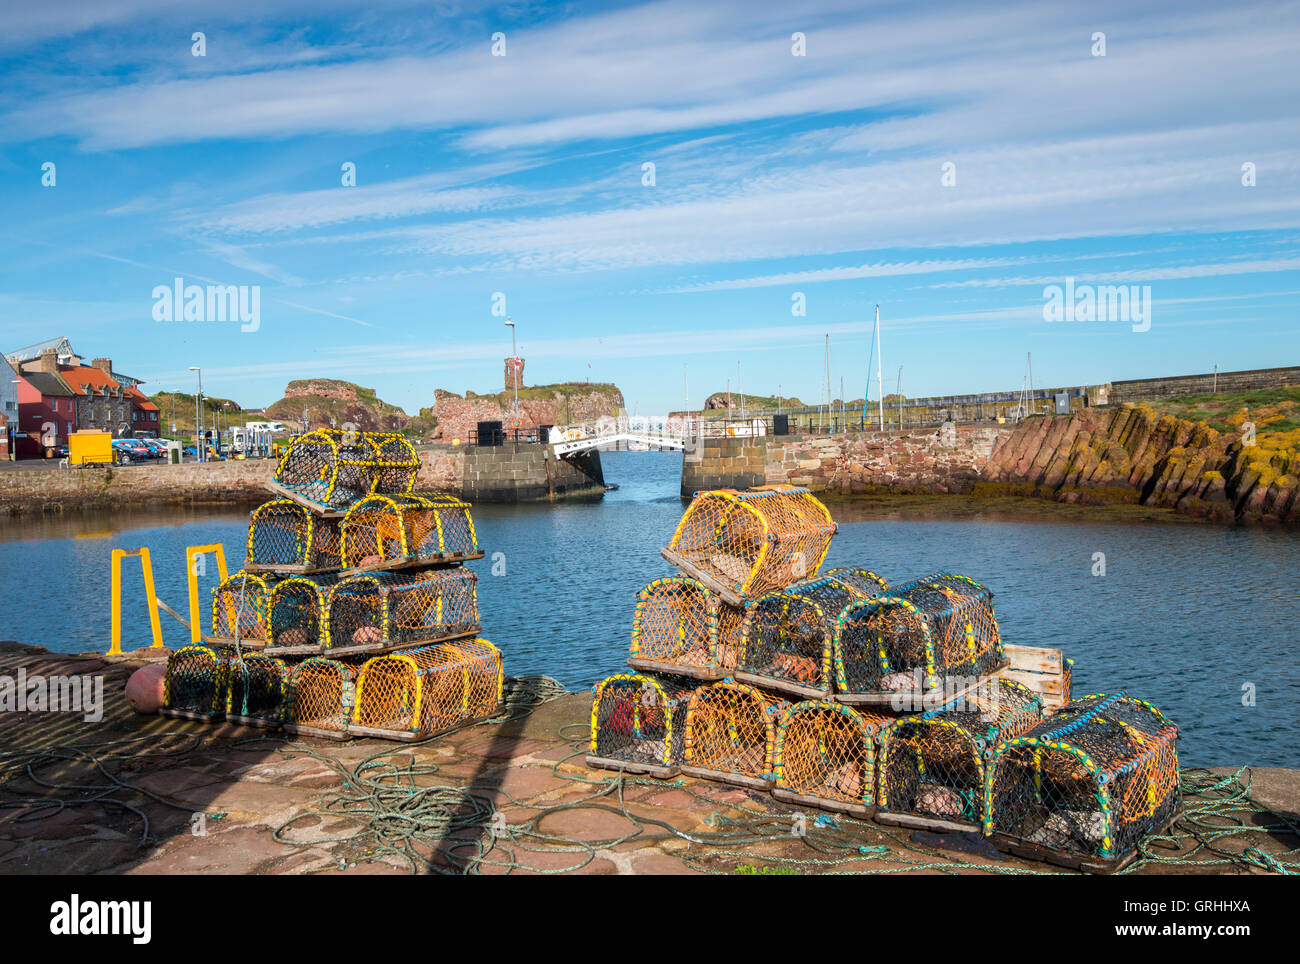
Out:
{"x": 681, "y": 627}
{"x": 946, "y": 580}
{"x": 429, "y": 690}
{"x": 323, "y": 695}
{"x": 746, "y": 544}
{"x": 786, "y": 644}
{"x": 239, "y": 608}
{"x": 396, "y": 462}
{"x": 931, "y": 767}
{"x": 383, "y": 530}
{"x": 638, "y": 724}
{"x": 381, "y": 610}
{"x": 826, "y": 757}
{"x": 298, "y": 615}
{"x": 731, "y": 734}
{"x": 1084, "y": 787}
{"x": 194, "y": 687}
{"x": 284, "y": 536}
{"x": 453, "y": 528}
{"x": 331, "y": 469}
{"x": 863, "y": 581}
{"x": 258, "y": 691}
{"x": 914, "y": 652}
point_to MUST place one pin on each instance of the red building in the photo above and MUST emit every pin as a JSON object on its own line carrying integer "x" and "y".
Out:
{"x": 47, "y": 414}
{"x": 59, "y": 394}
{"x": 103, "y": 401}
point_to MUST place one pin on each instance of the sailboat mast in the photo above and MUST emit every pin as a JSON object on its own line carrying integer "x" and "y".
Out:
{"x": 880, "y": 377}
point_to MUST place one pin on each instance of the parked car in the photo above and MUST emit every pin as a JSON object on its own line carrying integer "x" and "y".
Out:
{"x": 155, "y": 447}
{"x": 130, "y": 450}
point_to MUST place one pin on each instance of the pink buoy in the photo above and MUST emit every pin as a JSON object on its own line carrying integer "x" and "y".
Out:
{"x": 144, "y": 690}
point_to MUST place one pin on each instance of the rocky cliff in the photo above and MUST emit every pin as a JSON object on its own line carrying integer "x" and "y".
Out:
{"x": 752, "y": 403}
{"x": 329, "y": 402}
{"x": 1135, "y": 454}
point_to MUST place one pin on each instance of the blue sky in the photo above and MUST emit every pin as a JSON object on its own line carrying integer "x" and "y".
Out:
{"x": 774, "y": 174}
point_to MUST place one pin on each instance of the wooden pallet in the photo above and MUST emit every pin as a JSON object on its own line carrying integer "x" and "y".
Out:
{"x": 727, "y": 776}
{"x": 288, "y": 569}
{"x": 410, "y": 736}
{"x": 863, "y": 810}
{"x": 1044, "y": 671}
{"x": 256, "y": 721}
{"x": 433, "y": 560}
{"x": 209, "y": 717}
{"x": 782, "y": 685}
{"x": 257, "y": 645}
{"x": 727, "y": 593}
{"x": 641, "y": 769}
{"x": 1088, "y": 863}
{"x": 916, "y": 821}
{"x": 929, "y": 699}
{"x": 383, "y": 733}
{"x": 369, "y": 649}
{"x": 707, "y": 673}
{"x": 320, "y": 732}
{"x": 323, "y": 511}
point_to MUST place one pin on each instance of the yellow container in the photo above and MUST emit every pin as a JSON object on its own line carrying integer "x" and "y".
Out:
{"x": 86, "y": 448}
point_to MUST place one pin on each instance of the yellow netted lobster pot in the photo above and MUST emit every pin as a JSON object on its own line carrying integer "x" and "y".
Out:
{"x": 826, "y": 757}
{"x": 745, "y": 544}
{"x": 682, "y": 627}
{"x": 194, "y": 685}
{"x": 638, "y": 723}
{"x": 285, "y": 537}
{"x": 1086, "y": 786}
{"x": 429, "y": 690}
{"x": 731, "y": 734}
{"x": 930, "y": 768}
{"x": 329, "y": 469}
{"x": 387, "y": 531}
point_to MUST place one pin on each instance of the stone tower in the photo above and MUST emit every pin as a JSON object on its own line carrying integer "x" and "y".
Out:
{"x": 514, "y": 374}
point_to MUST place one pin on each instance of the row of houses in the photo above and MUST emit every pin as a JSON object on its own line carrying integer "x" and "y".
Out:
{"x": 50, "y": 391}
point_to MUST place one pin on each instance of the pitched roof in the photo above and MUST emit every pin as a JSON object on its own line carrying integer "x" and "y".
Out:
{"x": 48, "y": 384}
{"x": 88, "y": 380}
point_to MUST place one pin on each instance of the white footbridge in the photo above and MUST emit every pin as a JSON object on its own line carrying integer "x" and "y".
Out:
{"x": 648, "y": 431}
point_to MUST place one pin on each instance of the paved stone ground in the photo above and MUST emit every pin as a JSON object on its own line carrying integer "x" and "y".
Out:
{"x": 63, "y": 811}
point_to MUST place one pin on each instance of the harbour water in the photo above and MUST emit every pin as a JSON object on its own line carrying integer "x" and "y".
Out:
{"x": 1199, "y": 619}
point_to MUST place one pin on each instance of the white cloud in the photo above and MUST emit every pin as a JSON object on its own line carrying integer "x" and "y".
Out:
{"x": 1129, "y": 276}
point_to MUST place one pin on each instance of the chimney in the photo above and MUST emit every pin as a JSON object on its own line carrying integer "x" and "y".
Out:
{"x": 49, "y": 362}
{"x": 105, "y": 365}
{"x": 514, "y": 374}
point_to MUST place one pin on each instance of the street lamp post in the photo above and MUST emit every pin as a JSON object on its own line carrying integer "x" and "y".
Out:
{"x": 198, "y": 425}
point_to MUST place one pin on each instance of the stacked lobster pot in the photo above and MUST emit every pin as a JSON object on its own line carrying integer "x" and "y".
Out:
{"x": 753, "y": 666}
{"x": 354, "y": 613}
{"x": 735, "y": 644}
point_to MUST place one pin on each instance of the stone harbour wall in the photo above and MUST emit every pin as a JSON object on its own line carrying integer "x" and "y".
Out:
{"x": 945, "y": 459}
{"x": 240, "y": 482}
{"x": 527, "y": 472}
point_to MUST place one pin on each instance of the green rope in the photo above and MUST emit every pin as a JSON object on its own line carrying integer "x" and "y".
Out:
{"x": 392, "y": 812}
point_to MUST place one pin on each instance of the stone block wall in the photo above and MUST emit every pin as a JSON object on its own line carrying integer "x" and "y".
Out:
{"x": 946, "y": 459}
{"x": 527, "y": 472}
{"x": 1142, "y": 389}
{"x": 724, "y": 463}
{"x": 241, "y": 482}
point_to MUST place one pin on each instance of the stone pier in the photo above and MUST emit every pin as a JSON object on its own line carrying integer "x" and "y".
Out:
{"x": 527, "y": 472}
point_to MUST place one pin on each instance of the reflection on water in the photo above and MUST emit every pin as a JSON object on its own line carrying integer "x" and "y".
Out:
{"x": 1185, "y": 616}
